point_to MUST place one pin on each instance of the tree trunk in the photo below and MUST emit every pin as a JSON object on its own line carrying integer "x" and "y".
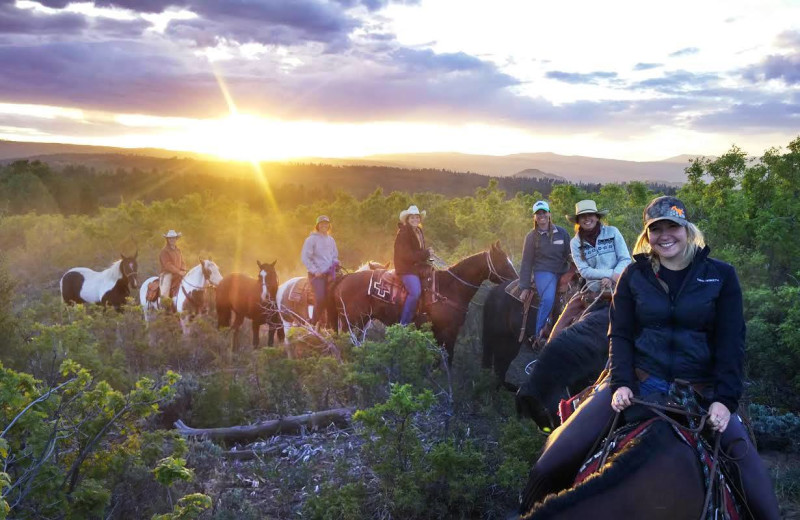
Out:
{"x": 292, "y": 424}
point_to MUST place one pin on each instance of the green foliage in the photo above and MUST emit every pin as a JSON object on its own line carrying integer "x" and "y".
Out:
{"x": 405, "y": 356}
{"x": 775, "y": 430}
{"x": 521, "y": 443}
{"x": 187, "y": 508}
{"x": 751, "y": 205}
{"x": 67, "y": 445}
{"x": 335, "y": 502}
{"x": 170, "y": 470}
{"x": 458, "y": 471}
{"x": 773, "y": 345}
{"x": 394, "y": 448}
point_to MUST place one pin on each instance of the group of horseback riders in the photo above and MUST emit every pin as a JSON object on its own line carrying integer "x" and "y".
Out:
{"x": 676, "y": 315}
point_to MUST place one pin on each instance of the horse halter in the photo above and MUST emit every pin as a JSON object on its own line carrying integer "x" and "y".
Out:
{"x": 207, "y": 274}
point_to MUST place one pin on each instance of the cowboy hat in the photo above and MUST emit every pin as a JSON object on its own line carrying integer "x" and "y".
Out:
{"x": 172, "y": 234}
{"x": 412, "y": 210}
{"x": 583, "y": 207}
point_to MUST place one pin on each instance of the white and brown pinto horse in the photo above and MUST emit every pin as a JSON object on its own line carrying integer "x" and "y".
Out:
{"x": 191, "y": 294}
{"x": 109, "y": 287}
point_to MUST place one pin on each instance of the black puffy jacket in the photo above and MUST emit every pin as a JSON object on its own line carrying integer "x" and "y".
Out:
{"x": 697, "y": 335}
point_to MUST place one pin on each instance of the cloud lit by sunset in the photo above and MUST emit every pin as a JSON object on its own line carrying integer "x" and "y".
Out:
{"x": 337, "y": 78}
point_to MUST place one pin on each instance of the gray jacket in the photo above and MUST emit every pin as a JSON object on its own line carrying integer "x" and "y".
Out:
{"x": 543, "y": 253}
{"x": 609, "y": 255}
{"x": 319, "y": 253}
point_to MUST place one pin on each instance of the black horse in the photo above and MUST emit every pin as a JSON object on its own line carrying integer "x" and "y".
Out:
{"x": 569, "y": 362}
{"x": 502, "y": 322}
{"x": 253, "y": 299}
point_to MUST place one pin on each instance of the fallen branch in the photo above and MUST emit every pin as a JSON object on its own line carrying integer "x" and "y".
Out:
{"x": 292, "y": 424}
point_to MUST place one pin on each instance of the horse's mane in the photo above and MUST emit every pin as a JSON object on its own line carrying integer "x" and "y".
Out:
{"x": 632, "y": 457}
{"x": 370, "y": 265}
{"x": 113, "y": 272}
{"x": 580, "y": 345}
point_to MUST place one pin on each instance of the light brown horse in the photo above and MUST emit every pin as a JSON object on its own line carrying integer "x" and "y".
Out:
{"x": 454, "y": 288}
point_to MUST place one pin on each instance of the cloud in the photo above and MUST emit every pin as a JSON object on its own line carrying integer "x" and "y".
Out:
{"x": 789, "y": 39}
{"x": 679, "y": 81}
{"x": 785, "y": 68}
{"x": 647, "y": 66}
{"x": 592, "y": 78}
{"x": 752, "y": 117}
{"x": 28, "y": 21}
{"x": 688, "y": 51}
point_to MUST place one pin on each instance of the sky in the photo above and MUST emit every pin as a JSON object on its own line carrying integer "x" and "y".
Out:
{"x": 282, "y": 79}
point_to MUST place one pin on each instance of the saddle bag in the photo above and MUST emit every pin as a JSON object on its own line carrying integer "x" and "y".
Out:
{"x": 153, "y": 291}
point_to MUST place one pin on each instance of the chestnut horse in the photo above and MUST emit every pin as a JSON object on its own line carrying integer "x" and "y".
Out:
{"x": 250, "y": 298}
{"x": 657, "y": 476}
{"x": 454, "y": 288}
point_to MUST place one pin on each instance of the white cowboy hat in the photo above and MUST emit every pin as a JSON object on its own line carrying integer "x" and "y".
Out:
{"x": 412, "y": 210}
{"x": 172, "y": 234}
{"x": 583, "y": 207}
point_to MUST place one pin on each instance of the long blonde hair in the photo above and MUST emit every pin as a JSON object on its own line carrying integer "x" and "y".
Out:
{"x": 694, "y": 243}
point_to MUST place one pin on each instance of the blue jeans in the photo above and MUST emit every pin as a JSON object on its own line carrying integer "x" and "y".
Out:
{"x": 546, "y": 283}
{"x": 414, "y": 288}
{"x": 320, "y": 286}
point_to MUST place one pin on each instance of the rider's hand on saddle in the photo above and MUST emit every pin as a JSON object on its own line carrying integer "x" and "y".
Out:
{"x": 524, "y": 294}
{"x": 606, "y": 283}
{"x": 718, "y": 416}
{"x": 622, "y": 398}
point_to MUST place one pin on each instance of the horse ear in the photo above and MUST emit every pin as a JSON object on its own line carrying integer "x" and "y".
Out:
{"x": 496, "y": 244}
{"x": 386, "y": 265}
{"x": 273, "y": 263}
{"x": 200, "y": 258}
{"x": 259, "y": 264}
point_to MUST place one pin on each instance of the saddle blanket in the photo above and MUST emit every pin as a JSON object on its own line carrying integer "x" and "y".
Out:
{"x": 386, "y": 286}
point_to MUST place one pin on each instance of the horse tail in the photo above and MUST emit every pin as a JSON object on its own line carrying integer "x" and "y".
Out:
{"x": 223, "y": 305}
{"x": 331, "y": 307}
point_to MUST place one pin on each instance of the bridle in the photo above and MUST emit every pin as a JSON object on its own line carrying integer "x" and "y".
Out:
{"x": 489, "y": 263}
{"x": 493, "y": 270}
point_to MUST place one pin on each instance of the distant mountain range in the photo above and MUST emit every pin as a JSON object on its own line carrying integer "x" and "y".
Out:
{"x": 544, "y": 165}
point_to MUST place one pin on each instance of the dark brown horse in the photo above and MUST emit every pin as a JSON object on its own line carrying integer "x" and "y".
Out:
{"x": 454, "y": 288}
{"x": 657, "y": 476}
{"x": 250, "y": 298}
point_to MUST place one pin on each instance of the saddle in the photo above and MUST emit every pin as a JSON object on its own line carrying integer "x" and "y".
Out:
{"x": 639, "y": 419}
{"x": 302, "y": 292}
{"x": 386, "y": 286}
{"x": 154, "y": 289}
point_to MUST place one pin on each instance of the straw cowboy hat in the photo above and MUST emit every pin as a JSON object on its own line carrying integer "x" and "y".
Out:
{"x": 172, "y": 234}
{"x": 583, "y": 207}
{"x": 412, "y": 210}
